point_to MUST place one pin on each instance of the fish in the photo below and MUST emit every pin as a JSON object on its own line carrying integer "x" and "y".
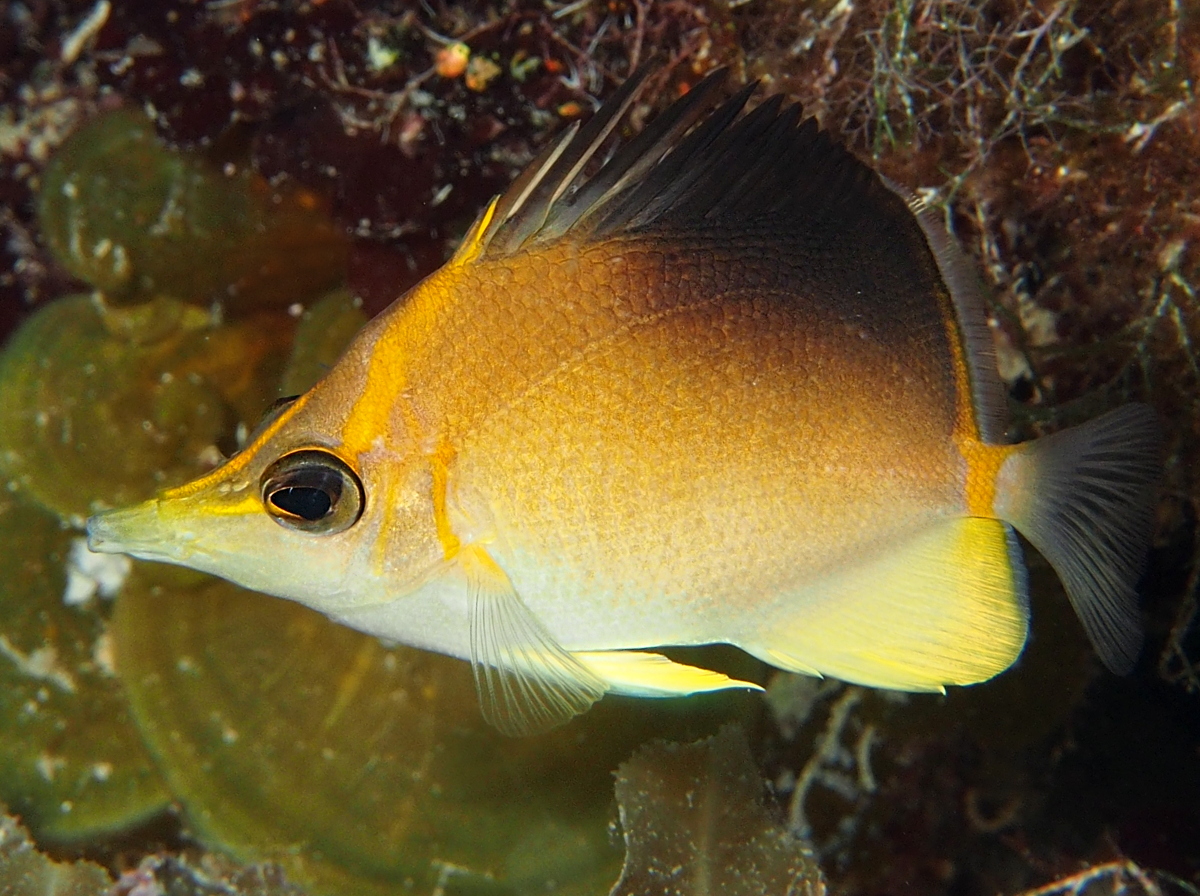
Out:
{"x": 721, "y": 384}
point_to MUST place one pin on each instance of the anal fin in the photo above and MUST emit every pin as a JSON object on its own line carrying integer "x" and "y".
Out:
{"x": 789, "y": 663}
{"x": 638, "y": 674}
{"x": 526, "y": 681}
{"x": 946, "y": 606}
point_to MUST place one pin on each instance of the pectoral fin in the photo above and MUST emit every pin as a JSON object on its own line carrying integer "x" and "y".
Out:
{"x": 526, "y": 681}
{"x": 637, "y": 674}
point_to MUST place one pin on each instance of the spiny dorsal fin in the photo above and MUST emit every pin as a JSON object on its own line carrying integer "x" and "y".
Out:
{"x": 521, "y": 212}
{"x": 627, "y": 168}
{"x": 729, "y": 169}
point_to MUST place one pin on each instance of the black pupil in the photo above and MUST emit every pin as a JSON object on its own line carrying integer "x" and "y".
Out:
{"x": 307, "y": 492}
{"x": 310, "y": 504}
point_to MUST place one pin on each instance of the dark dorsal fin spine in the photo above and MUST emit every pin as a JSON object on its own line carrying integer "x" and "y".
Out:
{"x": 711, "y": 177}
{"x": 678, "y": 172}
{"x": 646, "y": 151}
{"x": 522, "y": 210}
{"x": 764, "y": 172}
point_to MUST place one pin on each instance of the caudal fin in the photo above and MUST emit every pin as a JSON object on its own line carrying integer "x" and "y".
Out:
{"x": 1085, "y": 499}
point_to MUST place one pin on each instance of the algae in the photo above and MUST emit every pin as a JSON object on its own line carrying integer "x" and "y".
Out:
{"x": 291, "y": 739}
{"x": 26, "y": 872}
{"x": 325, "y": 328}
{"x": 102, "y": 406}
{"x": 71, "y": 761}
{"x": 695, "y": 824}
{"x": 136, "y": 219}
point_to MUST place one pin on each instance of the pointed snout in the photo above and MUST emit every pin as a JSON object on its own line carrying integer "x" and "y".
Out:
{"x": 103, "y": 533}
{"x": 138, "y": 531}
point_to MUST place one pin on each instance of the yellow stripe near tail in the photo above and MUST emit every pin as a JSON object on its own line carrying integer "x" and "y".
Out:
{"x": 984, "y": 463}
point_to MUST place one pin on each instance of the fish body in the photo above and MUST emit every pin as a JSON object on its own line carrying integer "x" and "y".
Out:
{"x": 733, "y": 388}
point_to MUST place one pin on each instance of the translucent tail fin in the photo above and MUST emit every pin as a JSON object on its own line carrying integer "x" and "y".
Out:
{"x": 1085, "y": 499}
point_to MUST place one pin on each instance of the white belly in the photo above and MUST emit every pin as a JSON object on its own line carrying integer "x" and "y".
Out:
{"x": 581, "y": 613}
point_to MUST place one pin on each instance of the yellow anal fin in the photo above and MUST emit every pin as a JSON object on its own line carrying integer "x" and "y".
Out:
{"x": 637, "y": 674}
{"x": 946, "y": 607}
{"x": 789, "y": 663}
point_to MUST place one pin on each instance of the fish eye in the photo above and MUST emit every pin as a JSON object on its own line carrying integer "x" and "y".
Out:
{"x": 312, "y": 491}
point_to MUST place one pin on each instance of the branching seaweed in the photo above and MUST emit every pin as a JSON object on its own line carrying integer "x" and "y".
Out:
{"x": 1115, "y": 879}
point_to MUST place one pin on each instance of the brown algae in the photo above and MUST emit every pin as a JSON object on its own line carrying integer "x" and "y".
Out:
{"x": 135, "y": 219}
{"x": 71, "y": 762}
{"x": 26, "y": 872}
{"x": 360, "y": 768}
{"x": 101, "y": 405}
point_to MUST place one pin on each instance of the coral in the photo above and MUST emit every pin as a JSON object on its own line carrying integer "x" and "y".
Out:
{"x": 830, "y": 763}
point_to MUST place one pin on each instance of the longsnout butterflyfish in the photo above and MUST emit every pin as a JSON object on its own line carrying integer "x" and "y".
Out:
{"x": 729, "y": 387}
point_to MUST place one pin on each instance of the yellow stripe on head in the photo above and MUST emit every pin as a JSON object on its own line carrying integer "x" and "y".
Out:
{"x": 249, "y": 504}
{"x": 239, "y": 461}
{"x": 384, "y": 382}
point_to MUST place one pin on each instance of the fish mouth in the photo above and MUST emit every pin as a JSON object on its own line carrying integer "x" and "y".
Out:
{"x": 138, "y": 531}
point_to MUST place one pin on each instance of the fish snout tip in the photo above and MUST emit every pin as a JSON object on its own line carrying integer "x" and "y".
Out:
{"x": 130, "y": 530}
{"x": 102, "y": 535}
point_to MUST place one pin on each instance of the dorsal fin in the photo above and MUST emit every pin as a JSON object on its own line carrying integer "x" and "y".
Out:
{"x": 658, "y": 147}
{"x": 521, "y": 211}
{"x": 767, "y": 164}
{"x": 551, "y": 197}
{"x": 966, "y": 292}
